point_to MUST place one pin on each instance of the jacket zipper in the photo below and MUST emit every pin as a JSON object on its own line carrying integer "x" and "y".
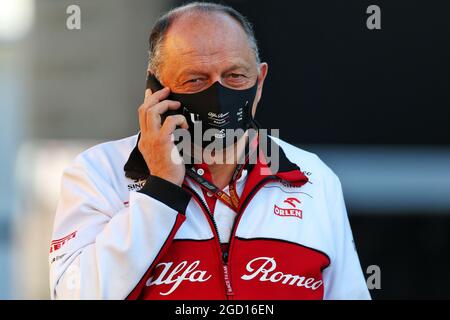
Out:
{"x": 236, "y": 221}
{"x": 224, "y": 258}
{"x": 226, "y": 254}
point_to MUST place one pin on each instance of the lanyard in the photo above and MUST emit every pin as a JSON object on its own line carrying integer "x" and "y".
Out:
{"x": 232, "y": 200}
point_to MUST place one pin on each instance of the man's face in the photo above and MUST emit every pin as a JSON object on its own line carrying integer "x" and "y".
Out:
{"x": 200, "y": 49}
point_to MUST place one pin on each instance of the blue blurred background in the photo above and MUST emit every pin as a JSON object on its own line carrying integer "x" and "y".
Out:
{"x": 373, "y": 104}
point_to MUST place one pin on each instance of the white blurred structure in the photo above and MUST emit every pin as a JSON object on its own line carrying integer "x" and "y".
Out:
{"x": 387, "y": 179}
{"x": 33, "y": 220}
{"x": 16, "y": 18}
{"x": 58, "y": 86}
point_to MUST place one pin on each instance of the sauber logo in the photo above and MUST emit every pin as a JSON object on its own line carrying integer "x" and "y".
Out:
{"x": 57, "y": 244}
{"x": 182, "y": 272}
{"x": 289, "y": 212}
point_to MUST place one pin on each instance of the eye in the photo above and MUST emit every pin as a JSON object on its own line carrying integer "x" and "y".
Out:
{"x": 193, "y": 80}
{"x": 236, "y": 75}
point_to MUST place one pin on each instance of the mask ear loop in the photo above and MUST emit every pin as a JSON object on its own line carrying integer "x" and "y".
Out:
{"x": 252, "y": 124}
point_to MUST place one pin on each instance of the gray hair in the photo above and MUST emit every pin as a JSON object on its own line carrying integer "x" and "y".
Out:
{"x": 163, "y": 23}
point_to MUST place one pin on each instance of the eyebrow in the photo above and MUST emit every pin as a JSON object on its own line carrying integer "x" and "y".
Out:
{"x": 237, "y": 66}
{"x": 199, "y": 72}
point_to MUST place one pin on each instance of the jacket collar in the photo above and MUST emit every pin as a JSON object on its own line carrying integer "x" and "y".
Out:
{"x": 135, "y": 168}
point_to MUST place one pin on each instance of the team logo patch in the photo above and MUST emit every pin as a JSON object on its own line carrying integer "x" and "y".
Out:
{"x": 264, "y": 267}
{"x": 136, "y": 185}
{"x": 181, "y": 272}
{"x": 291, "y": 211}
{"x": 57, "y": 244}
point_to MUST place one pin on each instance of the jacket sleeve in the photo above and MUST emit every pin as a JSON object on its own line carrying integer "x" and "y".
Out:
{"x": 103, "y": 248}
{"x": 343, "y": 279}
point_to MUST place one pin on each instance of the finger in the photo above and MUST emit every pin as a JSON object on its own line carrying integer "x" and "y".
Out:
{"x": 165, "y": 106}
{"x": 148, "y": 93}
{"x": 156, "y": 96}
{"x": 184, "y": 125}
{"x": 171, "y": 123}
{"x": 142, "y": 120}
{"x": 149, "y": 102}
{"x": 153, "y": 99}
{"x": 153, "y": 118}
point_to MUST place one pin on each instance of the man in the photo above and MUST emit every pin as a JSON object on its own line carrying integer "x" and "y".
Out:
{"x": 135, "y": 222}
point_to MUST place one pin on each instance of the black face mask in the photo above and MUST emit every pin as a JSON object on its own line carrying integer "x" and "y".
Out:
{"x": 217, "y": 107}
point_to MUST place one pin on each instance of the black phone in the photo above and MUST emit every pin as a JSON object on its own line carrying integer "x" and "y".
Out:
{"x": 154, "y": 85}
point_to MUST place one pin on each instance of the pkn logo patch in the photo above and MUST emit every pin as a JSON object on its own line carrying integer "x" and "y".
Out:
{"x": 291, "y": 211}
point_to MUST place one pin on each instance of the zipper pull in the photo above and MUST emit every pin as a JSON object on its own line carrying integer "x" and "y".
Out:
{"x": 225, "y": 256}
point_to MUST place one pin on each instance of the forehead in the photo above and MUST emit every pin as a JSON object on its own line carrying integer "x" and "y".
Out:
{"x": 206, "y": 40}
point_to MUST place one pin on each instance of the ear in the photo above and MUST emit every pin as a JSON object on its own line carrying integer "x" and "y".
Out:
{"x": 263, "y": 70}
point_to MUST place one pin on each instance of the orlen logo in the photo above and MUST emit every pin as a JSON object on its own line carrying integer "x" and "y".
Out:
{"x": 289, "y": 212}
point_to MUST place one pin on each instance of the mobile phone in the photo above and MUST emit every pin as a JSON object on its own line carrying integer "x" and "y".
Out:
{"x": 154, "y": 85}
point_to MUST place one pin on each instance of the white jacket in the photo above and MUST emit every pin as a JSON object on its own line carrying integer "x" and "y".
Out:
{"x": 141, "y": 237}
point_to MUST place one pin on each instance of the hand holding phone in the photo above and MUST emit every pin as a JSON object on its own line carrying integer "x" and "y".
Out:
{"x": 154, "y": 85}
{"x": 155, "y": 143}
